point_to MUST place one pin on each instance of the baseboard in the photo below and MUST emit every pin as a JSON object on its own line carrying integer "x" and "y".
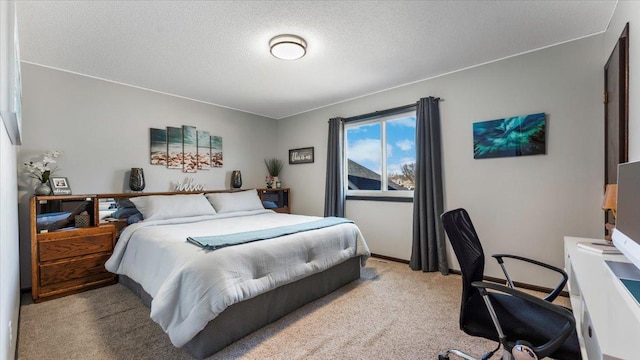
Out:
{"x": 384, "y": 257}
{"x": 487, "y": 278}
{"x": 517, "y": 284}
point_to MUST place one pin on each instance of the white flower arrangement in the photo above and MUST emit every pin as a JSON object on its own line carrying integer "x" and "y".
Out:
{"x": 43, "y": 169}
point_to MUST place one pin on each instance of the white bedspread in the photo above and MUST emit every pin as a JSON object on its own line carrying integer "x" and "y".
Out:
{"x": 191, "y": 286}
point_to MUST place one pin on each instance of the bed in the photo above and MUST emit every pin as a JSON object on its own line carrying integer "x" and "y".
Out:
{"x": 206, "y": 299}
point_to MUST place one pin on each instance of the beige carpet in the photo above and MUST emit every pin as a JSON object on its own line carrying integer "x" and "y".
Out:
{"x": 390, "y": 313}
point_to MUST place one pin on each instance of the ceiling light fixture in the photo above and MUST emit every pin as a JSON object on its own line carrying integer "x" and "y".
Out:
{"x": 288, "y": 47}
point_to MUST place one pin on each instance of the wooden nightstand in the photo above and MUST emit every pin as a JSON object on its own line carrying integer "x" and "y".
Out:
{"x": 68, "y": 260}
{"x": 275, "y": 199}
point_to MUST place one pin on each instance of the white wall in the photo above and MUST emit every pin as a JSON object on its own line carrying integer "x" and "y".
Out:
{"x": 9, "y": 248}
{"x": 9, "y": 241}
{"x": 103, "y": 130}
{"x": 521, "y": 205}
{"x": 628, "y": 11}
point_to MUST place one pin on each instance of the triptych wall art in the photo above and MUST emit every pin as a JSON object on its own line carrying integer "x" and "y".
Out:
{"x": 185, "y": 148}
{"x": 514, "y": 136}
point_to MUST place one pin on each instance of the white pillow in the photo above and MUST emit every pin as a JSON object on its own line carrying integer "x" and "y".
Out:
{"x": 161, "y": 207}
{"x": 235, "y": 201}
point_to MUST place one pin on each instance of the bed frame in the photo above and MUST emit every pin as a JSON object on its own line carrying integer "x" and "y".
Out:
{"x": 243, "y": 318}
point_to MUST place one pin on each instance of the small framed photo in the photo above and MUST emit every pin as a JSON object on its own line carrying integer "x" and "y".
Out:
{"x": 301, "y": 156}
{"x": 60, "y": 185}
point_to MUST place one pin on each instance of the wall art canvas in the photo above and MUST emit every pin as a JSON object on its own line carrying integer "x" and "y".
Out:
{"x": 158, "y": 144}
{"x": 189, "y": 149}
{"x": 204, "y": 150}
{"x": 185, "y": 148}
{"x": 514, "y": 136}
{"x": 216, "y": 151}
{"x": 174, "y": 148}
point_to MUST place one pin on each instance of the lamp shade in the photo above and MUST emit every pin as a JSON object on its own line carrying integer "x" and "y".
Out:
{"x": 610, "y": 198}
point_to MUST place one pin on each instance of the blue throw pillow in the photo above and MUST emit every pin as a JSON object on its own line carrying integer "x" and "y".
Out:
{"x": 124, "y": 213}
{"x": 134, "y": 218}
{"x": 269, "y": 205}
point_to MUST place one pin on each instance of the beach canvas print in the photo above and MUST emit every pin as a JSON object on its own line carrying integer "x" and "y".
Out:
{"x": 216, "y": 151}
{"x": 185, "y": 148}
{"x": 204, "y": 150}
{"x": 189, "y": 149}
{"x": 514, "y": 136}
{"x": 158, "y": 144}
{"x": 174, "y": 148}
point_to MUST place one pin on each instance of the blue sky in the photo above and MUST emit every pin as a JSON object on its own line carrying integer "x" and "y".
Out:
{"x": 363, "y": 144}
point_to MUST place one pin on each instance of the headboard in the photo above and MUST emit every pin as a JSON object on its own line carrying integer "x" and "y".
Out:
{"x": 122, "y": 223}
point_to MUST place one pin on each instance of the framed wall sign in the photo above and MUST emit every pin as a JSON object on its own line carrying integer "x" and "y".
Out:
{"x": 301, "y": 156}
{"x": 60, "y": 185}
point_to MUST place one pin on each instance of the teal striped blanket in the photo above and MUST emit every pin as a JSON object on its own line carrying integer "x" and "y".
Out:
{"x": 219, "y": 241}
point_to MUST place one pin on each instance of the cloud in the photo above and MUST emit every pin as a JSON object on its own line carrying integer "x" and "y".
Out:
{"x": 396, "y": 167}
{"x": 405, "y": 145}
{"x": 364, "y": 150}
{"x": 409, "y": 121}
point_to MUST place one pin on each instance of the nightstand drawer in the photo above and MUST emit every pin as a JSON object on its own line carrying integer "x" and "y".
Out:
{"x": 57, "y": 272}
{"x": 75, "y": 243}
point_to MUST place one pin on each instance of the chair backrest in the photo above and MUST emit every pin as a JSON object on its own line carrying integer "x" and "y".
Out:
{"x": 466, "y": 245}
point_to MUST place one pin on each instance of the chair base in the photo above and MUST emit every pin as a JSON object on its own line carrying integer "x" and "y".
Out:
{"x": 445, "y": 355}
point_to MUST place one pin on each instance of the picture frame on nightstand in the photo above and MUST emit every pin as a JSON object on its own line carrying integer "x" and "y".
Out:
{"x": 59, "y": 185}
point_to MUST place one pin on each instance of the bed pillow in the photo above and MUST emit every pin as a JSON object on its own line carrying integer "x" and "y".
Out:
{"x": 124, "y": 213}
{"x": 235, "y": 201}
{"x": 161, "y": 207}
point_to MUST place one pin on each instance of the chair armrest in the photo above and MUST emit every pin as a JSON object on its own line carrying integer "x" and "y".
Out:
{"x": 545, "y": 349}
{"x": 554, "y": 293}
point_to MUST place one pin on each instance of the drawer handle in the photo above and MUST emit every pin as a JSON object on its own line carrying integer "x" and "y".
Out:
{"x": 590, "y": 331}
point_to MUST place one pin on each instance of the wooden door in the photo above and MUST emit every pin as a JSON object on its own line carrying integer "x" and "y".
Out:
{"x": 616, "y": 114}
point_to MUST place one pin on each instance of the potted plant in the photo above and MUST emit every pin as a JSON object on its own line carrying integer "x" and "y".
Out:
{"x": 42, "y": 170}
{"x": 274, "y": 166}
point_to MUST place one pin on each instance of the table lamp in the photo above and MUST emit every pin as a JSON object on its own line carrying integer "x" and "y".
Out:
{"x": 610, "y": 199}
{"x": 609, "y": 203}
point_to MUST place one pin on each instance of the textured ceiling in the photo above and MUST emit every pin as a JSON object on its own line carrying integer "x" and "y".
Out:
{"x": 217, "y": 52}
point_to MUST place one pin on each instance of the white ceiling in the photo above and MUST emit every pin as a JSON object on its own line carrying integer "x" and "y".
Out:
{"x": 217, "y": 52}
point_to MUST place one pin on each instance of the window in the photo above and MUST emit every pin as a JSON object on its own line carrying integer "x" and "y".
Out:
{"x": 383, "y": 145}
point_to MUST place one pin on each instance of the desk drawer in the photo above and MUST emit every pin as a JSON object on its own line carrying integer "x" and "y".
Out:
{"x": 589, "y": 335}
{"x": 61, "y": 245}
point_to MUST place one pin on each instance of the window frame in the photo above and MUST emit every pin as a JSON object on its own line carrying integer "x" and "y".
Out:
{"x": 381, "y": 117}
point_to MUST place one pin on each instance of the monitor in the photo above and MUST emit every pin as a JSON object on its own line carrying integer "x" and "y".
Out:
{"x": 626, "y": 235}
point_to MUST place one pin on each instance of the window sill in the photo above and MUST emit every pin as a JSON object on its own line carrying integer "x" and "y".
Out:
{"x": 380, "y": 198}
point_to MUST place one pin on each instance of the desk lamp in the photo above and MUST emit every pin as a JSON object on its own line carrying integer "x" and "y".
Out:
{"x": 609, "y": 203}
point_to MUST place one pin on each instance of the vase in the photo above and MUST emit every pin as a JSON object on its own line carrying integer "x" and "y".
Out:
{"x": 275, "y": 181}
{"x": 236, "y": 179}
{"x": 42, "y": 189}
{"x": 136, "y": 179}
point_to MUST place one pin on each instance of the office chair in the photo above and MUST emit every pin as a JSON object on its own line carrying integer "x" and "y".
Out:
{"x": 525, "y": 326}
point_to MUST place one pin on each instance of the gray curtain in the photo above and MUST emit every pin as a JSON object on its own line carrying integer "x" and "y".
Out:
{"x": 428, "y": 252}
{"x": 334, "y": 188}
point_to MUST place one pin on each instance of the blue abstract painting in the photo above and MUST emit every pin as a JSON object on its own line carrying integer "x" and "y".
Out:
{"x": 514, "y": 136}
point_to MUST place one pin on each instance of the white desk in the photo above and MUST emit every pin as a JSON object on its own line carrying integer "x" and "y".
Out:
{"x": 607, "y": 316}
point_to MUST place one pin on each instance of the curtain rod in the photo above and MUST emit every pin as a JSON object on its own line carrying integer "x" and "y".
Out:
{"x": 381, "y": 113}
